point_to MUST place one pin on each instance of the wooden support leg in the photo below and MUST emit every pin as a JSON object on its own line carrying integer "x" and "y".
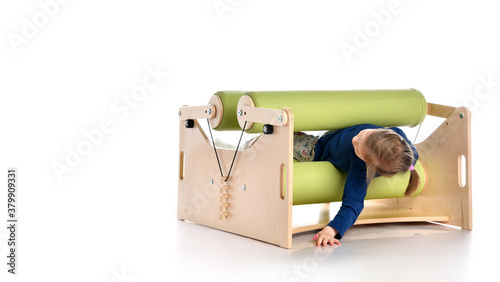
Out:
{"x": 256, "y": 201}
{"x": 441, "y": 154}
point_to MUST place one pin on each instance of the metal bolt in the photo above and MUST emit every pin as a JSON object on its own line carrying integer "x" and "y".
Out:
{"x": 461, "y": 115}
{"x": 211, "y": 181}
{"x": 243, "y": 187}
{"x": 240, "y": 113}
{"x": 179, "y": 113}
{"x": 280, "y": 118}
{"x": 209, "y": 111}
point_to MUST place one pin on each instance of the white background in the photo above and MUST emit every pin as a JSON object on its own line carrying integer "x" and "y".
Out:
{"x": 112, "y": 215}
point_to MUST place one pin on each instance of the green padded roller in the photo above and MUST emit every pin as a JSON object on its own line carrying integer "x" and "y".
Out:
{"x": 321, "y": 182}
{"x": 325, "y": 110}
{"x": 229, "y": 100}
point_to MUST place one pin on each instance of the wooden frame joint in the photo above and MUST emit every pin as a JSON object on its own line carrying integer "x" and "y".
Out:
{"x": 196, "y": 112}
{"x": 439, "y": 110}
{"x": 261, "y": 115}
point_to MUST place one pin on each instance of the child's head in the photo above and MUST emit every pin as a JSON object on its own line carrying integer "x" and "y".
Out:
{"x": 385, "y": 153}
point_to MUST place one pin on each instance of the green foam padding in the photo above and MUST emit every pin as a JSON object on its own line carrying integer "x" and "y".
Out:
{"x": 328, "y": 110}
{"x": 229, "y": 101}
{"x": 321, "y": 182}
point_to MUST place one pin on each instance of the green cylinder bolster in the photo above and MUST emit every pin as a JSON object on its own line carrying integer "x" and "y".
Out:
{"x": 326, "y": 110}
{"x": 321, "y": 182}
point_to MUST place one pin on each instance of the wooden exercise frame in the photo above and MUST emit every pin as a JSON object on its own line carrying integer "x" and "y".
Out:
{"x": 256, "y": 201}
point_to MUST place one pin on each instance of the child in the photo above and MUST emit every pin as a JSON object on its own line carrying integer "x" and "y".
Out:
{"x": 363, "y": 152}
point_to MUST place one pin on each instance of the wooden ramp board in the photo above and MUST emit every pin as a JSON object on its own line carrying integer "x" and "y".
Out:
{"x": 375, "y": 213}
{"x": 381, "y": 213}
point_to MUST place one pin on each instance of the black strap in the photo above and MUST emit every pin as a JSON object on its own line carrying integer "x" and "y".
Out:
{"x": 235, "y": 152}
{"x": 217, "y": 156}
{"x": 417, "y": 133}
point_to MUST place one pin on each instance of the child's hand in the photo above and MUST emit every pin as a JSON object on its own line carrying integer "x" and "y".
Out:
{"x": 326, "y": 237}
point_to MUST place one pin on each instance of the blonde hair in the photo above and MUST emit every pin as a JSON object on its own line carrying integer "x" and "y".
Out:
{"x": 388, "y": 154}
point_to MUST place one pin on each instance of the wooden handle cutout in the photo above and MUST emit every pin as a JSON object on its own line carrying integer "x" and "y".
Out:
{"x": 283, "y": 181}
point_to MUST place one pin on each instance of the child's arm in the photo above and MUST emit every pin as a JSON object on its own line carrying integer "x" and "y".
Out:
{"x": 352, "y": 201}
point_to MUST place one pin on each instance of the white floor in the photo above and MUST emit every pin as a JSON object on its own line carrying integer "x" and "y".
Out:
{"x": 381, "y": 252}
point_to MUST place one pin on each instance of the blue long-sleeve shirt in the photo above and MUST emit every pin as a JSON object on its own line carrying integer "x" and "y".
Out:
{"x": 336, "y": 147}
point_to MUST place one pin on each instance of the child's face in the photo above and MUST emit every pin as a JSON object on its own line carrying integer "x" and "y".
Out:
{"x": 359, "y": 141}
